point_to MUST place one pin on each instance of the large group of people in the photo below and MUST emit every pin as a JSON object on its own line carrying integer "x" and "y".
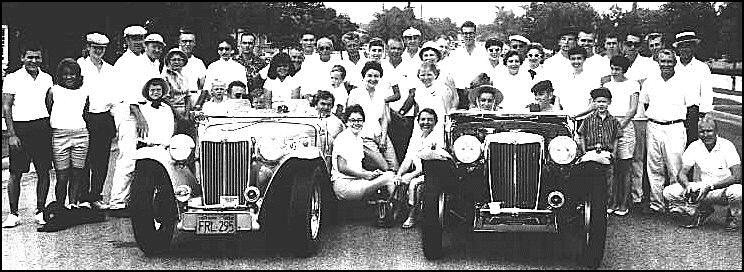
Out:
{"x": 385, "y": 108}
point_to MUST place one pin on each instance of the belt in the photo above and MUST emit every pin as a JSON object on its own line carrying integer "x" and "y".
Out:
{"x": 598, "y": 148}
{"x": 667, "y": 122}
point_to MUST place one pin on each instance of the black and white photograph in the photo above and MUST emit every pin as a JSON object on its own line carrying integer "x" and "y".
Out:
{"x": 371, "y": 135}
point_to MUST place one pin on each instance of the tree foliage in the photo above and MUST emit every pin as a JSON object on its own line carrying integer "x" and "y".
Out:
{"x": 544, "y": 21}
{"x": 730, "y": 30}
{"x": 392, "y": 22}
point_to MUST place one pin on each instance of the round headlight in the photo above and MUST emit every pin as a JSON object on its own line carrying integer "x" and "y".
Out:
{"x": 562, "y": 149}
{"x": 270, "y": 149}
{"x": 180, "y": 147}
{"x": 182, "y": 193}
{"x": 467, "y": 148}
{"x": 251, "y": 194}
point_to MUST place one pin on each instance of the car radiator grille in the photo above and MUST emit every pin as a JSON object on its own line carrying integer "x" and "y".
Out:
{"x": 514, "y": 174}
{"x": 225, "y": 169}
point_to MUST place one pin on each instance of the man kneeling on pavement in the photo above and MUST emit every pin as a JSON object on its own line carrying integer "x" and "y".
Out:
{"x": 720, "y": 179}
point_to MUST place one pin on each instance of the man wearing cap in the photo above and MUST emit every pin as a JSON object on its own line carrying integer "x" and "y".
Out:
{"x": 29, "y": 132}
{"x": 99, "y": 119}
{"x": 132, "y": 70}
{"x": 467, "y": 61}
{"x": 519, "y": 43}
{"x": 665, "y": 107}
{"x": 699, "y": 79}
{"x": 353, "y": 61}
{"x": 558, "y": 66}
{"x": 195, "y": 69}
{"x": 252, "y": 62}
{"x": 154, "y": 44}
{"x": 594, "y": 62}
{"x": 412, "y": 38}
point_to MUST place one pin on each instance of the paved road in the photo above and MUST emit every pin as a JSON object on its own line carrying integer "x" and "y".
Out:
{"x": 634, "y": 242}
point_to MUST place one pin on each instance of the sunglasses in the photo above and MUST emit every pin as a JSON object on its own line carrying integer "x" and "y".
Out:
{"x": 534, "y": 55}
{"x": 308, "y": 40}
{"x": 324, "y": 48}
{"x": 494, "y": 50}
{"x": 224, "y": 48}
{"x": 356, "y": 120}
{"x": 517, "y": 46}
{"x": 635, "y": 44}
{"x": 247, "y": 42}
{"x": 654, "y": 45}
{"x": 410, "y": 37}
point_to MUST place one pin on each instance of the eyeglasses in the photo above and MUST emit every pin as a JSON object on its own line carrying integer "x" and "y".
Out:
{"x": 176, "y": 59}
{"x": 468, "y": 33}
{"x": 356, "y": 120}
{"x": 224, "y": 48}
{"x": 653, "y": 45}
{"x": 247, "y": 42}
{"x": 494, "y": 49}
{"x": 586, "y": 40}
{"x": 308, "y": 40}
{"x": 534, "y": 55}
{"x": 516, "y": 46}
{"x": 324, "y": 48}
{"x": 410, "y": 37}
{"x": 395, "y": 48}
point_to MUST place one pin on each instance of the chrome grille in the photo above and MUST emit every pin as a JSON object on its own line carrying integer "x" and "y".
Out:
{"x": 514, "y": 171}
{"x": 225, "y": 169}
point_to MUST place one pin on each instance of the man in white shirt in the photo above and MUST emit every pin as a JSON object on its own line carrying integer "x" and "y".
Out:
{"x": 29, "y": 132}
{"x": 699, "y": 78}
{"x": 720, "y": 179}
{"x": 611, "y": 46}
{"x": 558, "y": 66}
{"x": 195, "y": 70}
{"x": 666, "y": 107}
{"x": 412, "y": 38}
{"x": 99, "y": 120}
{"x": 465, "y": 60}
{"x": 133, "y": 69}
{"x": 307, "y": 42}
{"x": 519, "y": 43}
{"x": 154, "y": 44}
{"x": 354, "y": 61}
{"x": 316, "y": 70}
{"x": 594, "y": 62}
{"x": 655, "y": 42}
{"x": 401, "y": 125}
{"x": 573, "y": 90}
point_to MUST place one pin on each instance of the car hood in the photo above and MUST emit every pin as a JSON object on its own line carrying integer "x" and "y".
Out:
{"x": 483, "y": 123}
{"x": 245, "y": 129}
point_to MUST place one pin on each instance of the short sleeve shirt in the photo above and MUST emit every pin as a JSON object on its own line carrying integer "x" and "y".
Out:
{"x": 714, "y": 164}
{"x": 225, "y": 71}
{"x": 281, "y": 90}
{"x": 193, "y": 71}
{"x": 161, "y": 123}
{"x": 699, "y": 78}
{"x": 596, "y": 130}
{"x": 67, "y": 109}
{"x": 29, "y": 94}
{"x": 667, "y": 100}
{"x": 350, "y": 147}
{"x": 132, "y": 72}
{"x": 574, "y": 91}
{"x": 621, "y": 93}
{"x": 98, "y": 83}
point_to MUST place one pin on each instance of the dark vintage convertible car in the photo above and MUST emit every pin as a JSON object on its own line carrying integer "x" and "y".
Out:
{"x": 514, "y": 173}
{"x": 255, "y": 170}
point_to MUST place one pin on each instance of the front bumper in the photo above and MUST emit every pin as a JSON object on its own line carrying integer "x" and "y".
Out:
{"x": 245, "y": 220}
{"x": 495, "y": 219}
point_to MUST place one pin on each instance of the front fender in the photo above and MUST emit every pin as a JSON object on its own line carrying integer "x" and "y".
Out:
{"x": 179, "y": 174}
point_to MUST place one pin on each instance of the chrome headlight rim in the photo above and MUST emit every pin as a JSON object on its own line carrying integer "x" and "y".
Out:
{"x": 467, "y": 148}
{"x": 562, "y": 150}
{"x": 251, "y": 194}
{"x": 180, "y": 147}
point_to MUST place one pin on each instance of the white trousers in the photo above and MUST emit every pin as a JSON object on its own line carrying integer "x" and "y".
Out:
{"x": 729, "y": 196}
{"x": 664, "y": 146}
{"x": 124, "y": 168}
{"x": 639, "y": 160}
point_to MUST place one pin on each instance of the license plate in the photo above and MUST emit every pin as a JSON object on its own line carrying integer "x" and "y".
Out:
{"x": 216, "y": 224}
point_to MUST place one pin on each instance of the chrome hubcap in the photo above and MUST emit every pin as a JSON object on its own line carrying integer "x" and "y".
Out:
{"x": 315, "y": 212}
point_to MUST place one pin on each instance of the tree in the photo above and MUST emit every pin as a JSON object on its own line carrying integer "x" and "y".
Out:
{"x": 696, "y": 16}
{"x": 441, "y": 26}
{"x": 543, "y": 21}
{"x": 730, "y": 30}
{"x": 505, "y": 24}
{"x": 392, "y": 22}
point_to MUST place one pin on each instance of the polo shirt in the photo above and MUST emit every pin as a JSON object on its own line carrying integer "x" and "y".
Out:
{"x": 67, "y": 108}
{"x": 699, "y": 79}
{"x": 466, "y": 65}
{"x": 354, "y": 70}
{"x": 574, "y": 91}
{"x": 557, "y": 67}
{"x": 98, "y": 83}
{"x": 598, "y": 64}
{"x": 621, "y": 93}
{"x": 351, "y": 148}
{"x": 29, "y": 94}
{"x": 419, "y": 143}
{"x": 516, "y": 90}
{"x": 132, "y": 72}
{"x": 642, "y": 68}
{"x": 193, "y": 71}
{"x": 225, "y": 71}
{"x": 714, "y": 164}
{"x": 596, "y": 130}
{"x": 667, "y": 100}
{"x": 403, "y": 75}
{"x": 281, "y": 91}
{"x": 160, "y": 123}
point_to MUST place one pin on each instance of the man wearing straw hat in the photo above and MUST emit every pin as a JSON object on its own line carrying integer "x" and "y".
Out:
{"x": 698, "y": 76}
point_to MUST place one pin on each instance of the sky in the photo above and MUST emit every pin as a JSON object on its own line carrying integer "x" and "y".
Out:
{"x": 478, "y": 12}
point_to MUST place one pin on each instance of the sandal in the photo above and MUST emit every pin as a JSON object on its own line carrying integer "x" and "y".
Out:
{"x": 409, "y": 223}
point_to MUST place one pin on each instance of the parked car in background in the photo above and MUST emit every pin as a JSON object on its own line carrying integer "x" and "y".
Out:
{"x": 513, "y": 173}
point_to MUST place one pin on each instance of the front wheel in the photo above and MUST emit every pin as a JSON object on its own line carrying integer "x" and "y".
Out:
{"x": 153, "y": 207}
{"x": 594, "y": 229}
{"x": 305, "y": 215}
{"x": 433, "y": 224}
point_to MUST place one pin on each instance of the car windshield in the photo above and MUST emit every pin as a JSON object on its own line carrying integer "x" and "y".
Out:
{"x": 243, "y": 108}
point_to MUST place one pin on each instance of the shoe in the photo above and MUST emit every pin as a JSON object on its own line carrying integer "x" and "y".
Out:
{"x": 677, "y": 211}
{"x": 649, "y": 210}
{"x": 697, "y": 220}
{"x": 410, "y": 223}
{"x": 84, "y": 205}
{"x": 732, "y": 226}
{"x": 610, "y": 211}
{"x": 100, "y": 205}
{"x": 622, "y": 212}
{"x": 40, "y": 218}
{"x": 12, "y": 221}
